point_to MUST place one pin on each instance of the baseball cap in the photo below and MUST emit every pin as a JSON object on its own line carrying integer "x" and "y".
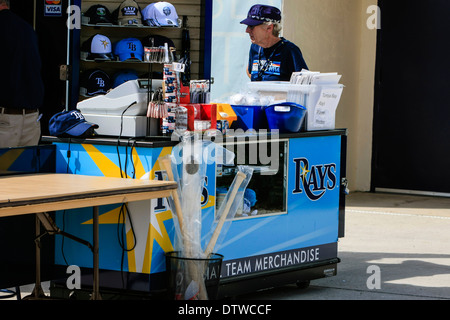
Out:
{"x": 98, "y": 47}
{"x": 129, "y": 48}
{"x": 71, "y": 124}
{"x": 98, "y": 14}
{"x": 128, "y": 13}
{"x": 124, "y": 76}
{"x": 259, "y": 14}
{"x": 160, "y": 14}
{"x": 95, "y": 82}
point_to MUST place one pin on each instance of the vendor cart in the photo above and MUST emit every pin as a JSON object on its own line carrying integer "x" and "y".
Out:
{"x": 286, "y": 232}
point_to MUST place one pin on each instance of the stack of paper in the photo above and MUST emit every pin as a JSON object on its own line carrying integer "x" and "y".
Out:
{"x": 320, "y": 93}
{"x": 306, "y": 77}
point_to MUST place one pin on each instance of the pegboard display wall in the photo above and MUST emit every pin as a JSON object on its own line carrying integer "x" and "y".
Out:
{"x": 192, "y": 9}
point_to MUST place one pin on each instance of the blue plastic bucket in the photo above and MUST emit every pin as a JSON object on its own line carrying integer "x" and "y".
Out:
{"x": 249, "y": 117}
{"x": 286, "y": 117}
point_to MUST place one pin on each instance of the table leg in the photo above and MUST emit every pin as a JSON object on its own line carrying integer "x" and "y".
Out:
{"x": 38, "y": 292}
{"x": 96, "y": 288}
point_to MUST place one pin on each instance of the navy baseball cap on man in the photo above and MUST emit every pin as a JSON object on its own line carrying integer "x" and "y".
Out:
{"x": 259, "y": 13}
{"x": 70, "y": 124}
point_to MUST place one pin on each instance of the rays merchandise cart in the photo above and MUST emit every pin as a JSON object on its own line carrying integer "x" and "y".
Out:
{"x": 287, "y": 230}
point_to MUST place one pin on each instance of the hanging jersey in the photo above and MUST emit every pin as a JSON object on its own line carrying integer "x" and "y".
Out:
{"x": 275, "y": 63}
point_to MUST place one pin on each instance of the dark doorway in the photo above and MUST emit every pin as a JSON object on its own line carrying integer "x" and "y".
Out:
{"x": 411, "y": 148}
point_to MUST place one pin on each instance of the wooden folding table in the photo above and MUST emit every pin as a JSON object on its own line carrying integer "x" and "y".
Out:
{"x": 42, "y": 193}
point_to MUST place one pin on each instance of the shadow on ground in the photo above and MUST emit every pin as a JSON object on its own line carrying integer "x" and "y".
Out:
{"x": 402, "y": 277}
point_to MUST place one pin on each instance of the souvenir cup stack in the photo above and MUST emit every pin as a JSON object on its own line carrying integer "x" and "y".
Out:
{"x": 170, "y": 85}
{"x": 171, "y": 97}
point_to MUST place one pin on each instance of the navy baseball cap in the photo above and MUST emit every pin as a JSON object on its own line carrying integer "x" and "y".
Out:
{"x": 71, "y": 124}
{"x": 259, "y": 13}
{"x": 94, "y": 82}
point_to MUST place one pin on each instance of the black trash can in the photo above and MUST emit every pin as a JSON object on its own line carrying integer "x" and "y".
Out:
{"x": 193, "y": 278}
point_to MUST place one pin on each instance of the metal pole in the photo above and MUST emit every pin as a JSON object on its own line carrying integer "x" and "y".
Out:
{"x": 96, "y": 288}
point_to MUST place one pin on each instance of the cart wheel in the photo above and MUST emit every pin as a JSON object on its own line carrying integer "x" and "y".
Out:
{"x": 303, "y": 284}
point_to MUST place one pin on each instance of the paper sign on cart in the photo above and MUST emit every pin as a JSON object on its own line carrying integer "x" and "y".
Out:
{"x": 325, "y": 111}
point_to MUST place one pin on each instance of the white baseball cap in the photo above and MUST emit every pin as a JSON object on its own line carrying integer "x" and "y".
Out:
{"x": 160, "y": 14}
{"x": 98, "y": 47}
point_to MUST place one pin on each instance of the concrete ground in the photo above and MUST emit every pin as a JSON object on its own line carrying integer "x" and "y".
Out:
{"x": 403, "y": 239}
{"x": 406, "y": 238}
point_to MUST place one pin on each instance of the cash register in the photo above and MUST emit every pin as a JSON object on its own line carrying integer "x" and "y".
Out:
{"x": 123, "y": 110}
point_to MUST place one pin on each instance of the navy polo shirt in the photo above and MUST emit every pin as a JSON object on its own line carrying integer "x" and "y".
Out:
{"x": 21, "y": 85}
{"x": 276, "y": 63}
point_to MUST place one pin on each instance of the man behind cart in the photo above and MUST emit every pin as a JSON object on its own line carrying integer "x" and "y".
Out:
{"x": 271, "y": 58}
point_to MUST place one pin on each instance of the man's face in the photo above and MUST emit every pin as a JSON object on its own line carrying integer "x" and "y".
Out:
{"x": 259, "y": 34}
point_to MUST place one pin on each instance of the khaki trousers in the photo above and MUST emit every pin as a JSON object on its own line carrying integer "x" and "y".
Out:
{"x": 19, "y": 130}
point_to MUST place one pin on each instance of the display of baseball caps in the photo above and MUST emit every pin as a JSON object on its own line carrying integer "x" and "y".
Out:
{"x": 98, "y": 47}
{"x": 160, "y": 14}
{"x": 129, "y": 13}
{"x": 129, "y": 49}
{"x": 94, "y": 82}
{"x": 71, "y": 124}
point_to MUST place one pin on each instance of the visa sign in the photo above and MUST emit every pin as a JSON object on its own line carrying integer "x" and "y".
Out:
{"x": 314, "y": 180}
{"x": 53, "y": 8}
